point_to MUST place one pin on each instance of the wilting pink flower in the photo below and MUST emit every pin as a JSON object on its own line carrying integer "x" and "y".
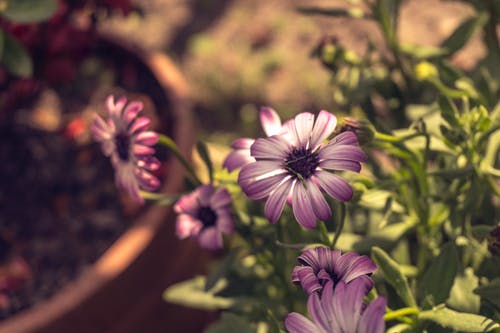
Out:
{"x": 320, "y": 265}
{"x": 295, "y": 166}
{"x": 125, "y": 139}
{"x": 340, "y": 309}
{"x": 206, "y": 215}
{"x": 271, "y": 124}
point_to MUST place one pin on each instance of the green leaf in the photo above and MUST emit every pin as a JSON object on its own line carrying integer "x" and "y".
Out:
{"x": 221, "y": 270}
{"x": 490, "y": 292}
{"x": 449, "y": 111}
{"x": 15, "y": 58}
{"x": 393, "y": 275}
{"x": 202, "y": 149}
{"x": 458, "y": 321}
{"x": 30, "y": 11}
{"x": 191, "y": 293}
{"x": 461, "y": 296}
{"x": 230, "y": 322}
{"x": 421, "y": 52}
{"x": 439, "y": 278}
{"x": 463, "y": 33}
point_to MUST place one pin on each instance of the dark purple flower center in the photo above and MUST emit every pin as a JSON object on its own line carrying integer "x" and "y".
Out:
{"x": 122, "y": 143}
{"x": 302, "y": 162}
{"x": 207, "y": 216}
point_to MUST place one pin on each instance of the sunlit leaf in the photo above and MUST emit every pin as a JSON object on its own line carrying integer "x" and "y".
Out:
{"x": 458, "y": 321}
{"x": 30, "y": 11}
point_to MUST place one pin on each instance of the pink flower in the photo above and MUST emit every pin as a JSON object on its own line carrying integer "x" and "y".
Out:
{"x": 125, "y": 139}
{"x": 205, "y": 214}
{"x": 297, "y": 166}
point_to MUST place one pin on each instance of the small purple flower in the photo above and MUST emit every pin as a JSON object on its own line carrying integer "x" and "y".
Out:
{"x": 125, "y": 139}
{"x": 294, "y": 167}
{"x": 206, "y": 215}
{"x": 340, "y": 310}
{"x": 320, "y": 265}
{"x": 271, "y": 124}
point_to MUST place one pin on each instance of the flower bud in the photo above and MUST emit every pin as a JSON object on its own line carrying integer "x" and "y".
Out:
{"x": 362, "y": 128}
{"x": 425, "y": 71}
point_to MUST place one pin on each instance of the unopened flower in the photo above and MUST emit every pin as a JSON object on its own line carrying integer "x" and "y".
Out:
{"x": 240, "y": 156}
{"x": 362, "y": 128}
{"x": 494, "y": 241}
{"x": 295, "y": 167}
{"x": 320, "y": 265}
{"x": 125, "y": 139}
{"x": 340, "y": 309}
{"x": 205, "y": 214}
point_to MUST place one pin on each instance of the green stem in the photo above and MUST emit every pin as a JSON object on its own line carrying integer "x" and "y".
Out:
{"x": 324, "y": 234}
{"x": 340, "y": 224}
{"x": 159, "y": 198}
{"x": 170, "y": 144}
{"x": 398, "y": 314}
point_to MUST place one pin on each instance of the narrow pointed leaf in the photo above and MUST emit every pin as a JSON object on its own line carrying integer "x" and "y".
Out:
{"x": 491, "y": 291}
{"x": 458, "y": 321}
{"x": 393, "y": 275}
{"x": 463, "y": 33}
{"x": 439, "y": 277}
{"x": 15, "y": 58}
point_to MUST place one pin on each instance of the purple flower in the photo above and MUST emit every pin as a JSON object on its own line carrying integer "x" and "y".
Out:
{"x": 271, "y": 124}
{"x": 340, "y": 310}
{"x": 206, "y": 215}
{"x": 320, "y": 266}
{"x": 125, "y": 139}
{"x": 294, "y": 167}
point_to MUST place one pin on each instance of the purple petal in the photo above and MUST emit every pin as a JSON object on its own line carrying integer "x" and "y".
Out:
{"x": 317, "y": 312}
{"x": 372, "y": 320}
{"x": 143, "y": 150}
{"x": 261, "y": 189}
{"x": 345, "y": 138}
{"x": 341, "y": 152}
{"x": 236, "y": 159}
{"x": 146, "y": 180}
{"x": 361, "y": 265}
{"x": 131, "y": 111}
{"x": 302, "y": 209}
{"x": 242, "y": 143}
{"x": 335, "y": 186}
{"x": 276, "y": 201}
{"x": 324, "y": 126}
{"x": 347, "y": 303}
{"x": 319, "y": 204}
{"x": 297, "y": 323}
{"x": 272, "y": 148}
{"x": 204, "y": 193}
{"x": 307, "y": 279}
{"x": 310, "y": 257}
{"x": 148, "y": 138}
{"x": 303, "y": 125}
{"x": 224, "y": 223}
{"x": 327, "y": 301}
{"x": 341, "y": 165}
{"x": 187, "y": 204}
{"x": 187, "y": 226}
{"x": 220, "y": 199}
{"x": 210, "y": 238}
{"x": 139, "y": 124}
{"x": 148, "y": 162}
{"x": 270, "y": 121}
{"x": 344, "y": 262}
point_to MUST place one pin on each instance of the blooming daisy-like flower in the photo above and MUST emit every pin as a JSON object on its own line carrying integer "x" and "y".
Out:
{"x": 340, "y": 309}
{"x": 271, "y": 124}
{"x": 295, "y": 166}
{"x": 124, "y": 138}
{"x": 319, "y": 266}
{"x": 206, "y": 215}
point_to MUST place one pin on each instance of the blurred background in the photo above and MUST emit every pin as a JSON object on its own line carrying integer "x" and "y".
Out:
{"x": 59, "y": 209}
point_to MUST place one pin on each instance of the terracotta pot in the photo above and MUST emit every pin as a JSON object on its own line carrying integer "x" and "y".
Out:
{"x": 122, "y": 291}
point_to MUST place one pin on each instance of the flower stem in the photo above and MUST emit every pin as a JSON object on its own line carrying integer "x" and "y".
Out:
{"x": 340, "y": 224}
{"x": 159, "y": 198}
{"x": 397, "y": 314}
{"x": 170, "y": 144}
